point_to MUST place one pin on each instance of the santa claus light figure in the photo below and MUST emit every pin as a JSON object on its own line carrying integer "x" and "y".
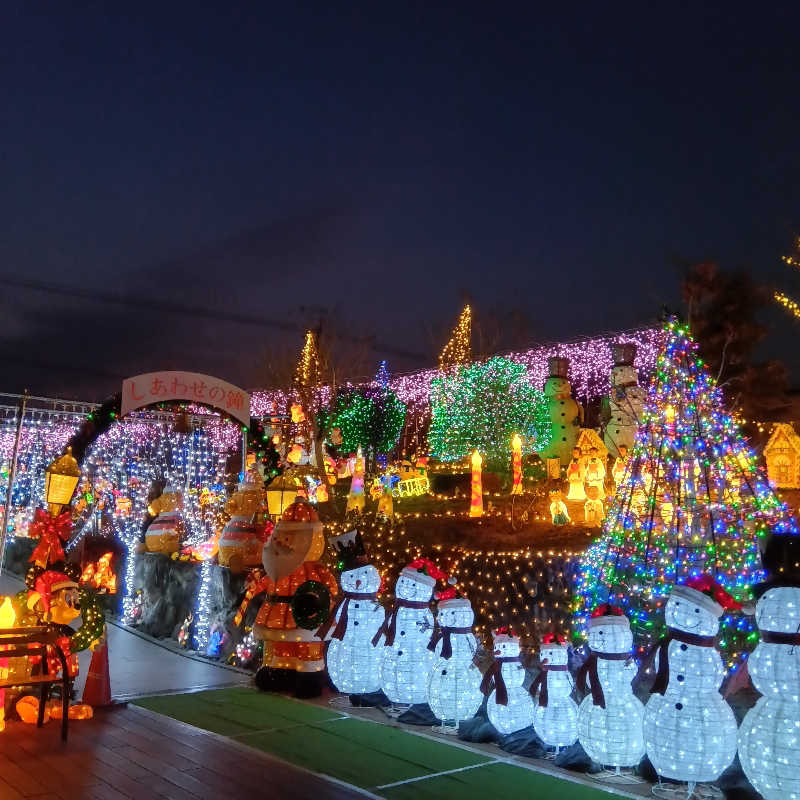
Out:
{"x": 300, "y": 594}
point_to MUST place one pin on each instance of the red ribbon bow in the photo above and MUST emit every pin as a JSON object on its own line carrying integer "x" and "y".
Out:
{"x": 553, "y": 638}
{"x": 607, "y": 610}
{"x": 50, "y": 531}
{"x": 707, "y": 585}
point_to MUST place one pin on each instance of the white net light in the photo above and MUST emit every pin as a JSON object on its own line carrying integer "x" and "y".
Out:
{"x": 454, "y": 686}
{"x": 517, "y": 712}
{"x": 354, "y": 664}
{"x": 769, "y": 738}
{"x": 611, "y": 731}
{"x": 557, "y": 722}
{"x": 690, "y": 731}
{"x": 406, "y": 659}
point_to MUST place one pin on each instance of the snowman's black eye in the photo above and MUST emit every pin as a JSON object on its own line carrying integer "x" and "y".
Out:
{"x": 697, "y": 611}
{"x": 600, "y": 632}
{"x": 677, "y": 603}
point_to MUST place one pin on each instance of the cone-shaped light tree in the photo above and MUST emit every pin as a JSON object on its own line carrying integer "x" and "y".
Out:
{"x": 458, "y": 349}
{"x": 693, "y": 502}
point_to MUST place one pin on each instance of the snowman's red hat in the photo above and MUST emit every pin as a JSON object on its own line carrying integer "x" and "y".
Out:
{"x": 504, "y": 634}
{"x": 551, "y": 640}
{"x": 453, "y": 603}
{"x": 606, "y": 615}
{"x": 424, "y": 571}
{"x": 692, "y": 592}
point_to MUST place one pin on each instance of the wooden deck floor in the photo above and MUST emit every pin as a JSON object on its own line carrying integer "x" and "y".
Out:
{"x": 130, "y": 753}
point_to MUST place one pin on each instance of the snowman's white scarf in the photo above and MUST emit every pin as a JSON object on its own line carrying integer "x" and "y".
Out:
{"x": 662, "y": 647}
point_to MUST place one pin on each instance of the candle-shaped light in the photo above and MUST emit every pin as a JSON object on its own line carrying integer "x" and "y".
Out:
{"x": 516, "y": 465}
{"x": 476, "y": 503}
{"x": 355, "y": 500}
{"x": 7, "y": 620}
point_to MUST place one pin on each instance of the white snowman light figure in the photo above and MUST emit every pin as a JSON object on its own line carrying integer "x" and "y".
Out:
{"x": 625, "y": 401}
{"x": 407, "y": 662}
{"x": 610, "y": 716}
{"x": 769, "y": 738}
{"x": 354, "y": 665}
{"x": 689, "y": 730}
{"x": 556, "y": 714}
{"x": 454, "y": 685}
{"x": 509, "y": 706}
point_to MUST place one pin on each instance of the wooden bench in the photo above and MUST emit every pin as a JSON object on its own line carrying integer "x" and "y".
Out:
{"x": 36, "y": 641}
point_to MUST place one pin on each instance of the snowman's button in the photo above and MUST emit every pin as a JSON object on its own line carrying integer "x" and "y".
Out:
{"x": 444, "y": 672}
{"x": 399, "y": 652}
{"x": 679, "y": 706}
{"x": 683, "y": 647}
{"x": 402, "y": 633}
{"x": 680, "y": 677}
{"x": 355, "y": 622}
{"x": 357, "y": 606}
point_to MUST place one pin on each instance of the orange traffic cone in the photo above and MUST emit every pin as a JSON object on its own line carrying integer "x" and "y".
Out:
{"x": 97, "y": 691}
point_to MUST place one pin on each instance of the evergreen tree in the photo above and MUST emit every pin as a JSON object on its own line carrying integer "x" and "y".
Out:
{"x": 481, "y": 407}
{"x": 693, "y": 502}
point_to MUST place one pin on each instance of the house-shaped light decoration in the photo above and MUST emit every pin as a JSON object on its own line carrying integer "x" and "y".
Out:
{"x": 587, "y": 439}
{"x": 782, "y": 454}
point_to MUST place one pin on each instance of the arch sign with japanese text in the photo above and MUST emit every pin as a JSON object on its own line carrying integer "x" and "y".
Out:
{"x": 159, "y": 387}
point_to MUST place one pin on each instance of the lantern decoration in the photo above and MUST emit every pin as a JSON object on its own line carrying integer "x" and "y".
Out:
{"x": 509, "y": 705}
{"x": 60, "y": 479}
{"x": 556, "y": 715}
{"x": 407, "y": 661}
{"x": 516, "y": 465}
{"x": 769, "y": 744}
{"x": 610, "y": 716}
{"x": 355, "y": 499}
{"x": 476, "y": 501}
{"x": 281, "y": 493}
{"x": 454, "y": 685}
{"x": 689, "y": 730}
{"x": 354, "y": 664}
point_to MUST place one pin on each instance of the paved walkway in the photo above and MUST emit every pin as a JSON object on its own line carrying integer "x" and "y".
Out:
{"x": 141, "y": 668}
{"x": 130, "y": 753}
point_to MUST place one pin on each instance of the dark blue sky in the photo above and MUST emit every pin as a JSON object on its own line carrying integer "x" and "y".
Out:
{"x": 379, "y": 161}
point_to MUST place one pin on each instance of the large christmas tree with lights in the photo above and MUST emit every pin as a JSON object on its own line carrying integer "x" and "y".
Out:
{"x": 693, "y": 502}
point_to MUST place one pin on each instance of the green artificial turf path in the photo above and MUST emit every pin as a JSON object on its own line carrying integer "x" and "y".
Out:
{"x": 365, "y": 754}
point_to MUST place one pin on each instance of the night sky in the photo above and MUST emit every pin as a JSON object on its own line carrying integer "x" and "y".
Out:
{"x": 377, "y": 164}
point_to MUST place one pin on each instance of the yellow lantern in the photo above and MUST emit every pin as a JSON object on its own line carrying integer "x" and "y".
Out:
{"x": 281, "y": 493}
{"x": 60, "y": 480}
